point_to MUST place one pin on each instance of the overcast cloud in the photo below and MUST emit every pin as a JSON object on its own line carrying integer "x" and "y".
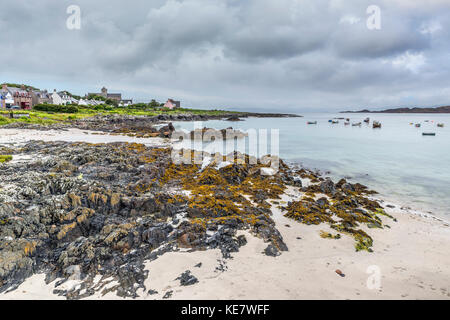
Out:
{"x": 268, "y": 55}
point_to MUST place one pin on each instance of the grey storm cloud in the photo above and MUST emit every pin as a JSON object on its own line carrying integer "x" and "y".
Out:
{"x": 292, "y": 55}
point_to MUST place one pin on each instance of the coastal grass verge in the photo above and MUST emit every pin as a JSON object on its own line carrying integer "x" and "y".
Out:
{"x": 52, "y": 115}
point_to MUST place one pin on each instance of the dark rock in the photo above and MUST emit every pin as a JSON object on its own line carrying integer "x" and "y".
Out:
{"x": 187, "y": 279}
{"x": 272, "y": 251}
{"x": 297, "y": 182}
{"x": 328, "y": 187}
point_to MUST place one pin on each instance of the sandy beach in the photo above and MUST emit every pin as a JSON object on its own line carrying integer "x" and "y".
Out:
{"x": 410, "y": 260}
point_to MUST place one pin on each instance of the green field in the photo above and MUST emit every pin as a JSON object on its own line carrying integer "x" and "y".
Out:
{"x": 48, "y": 118}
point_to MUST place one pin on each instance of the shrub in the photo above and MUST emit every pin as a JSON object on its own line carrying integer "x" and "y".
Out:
{"x": 5, "y": 158}
{"x": 4, "y": 120}
{"x": 56, "y": 108}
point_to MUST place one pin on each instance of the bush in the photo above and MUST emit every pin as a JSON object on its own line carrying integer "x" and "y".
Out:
{"x": 4, "y": 120}
{"x": 5, "y": 158}
{"x": 102, "y": 107}
{"x": 56, "y": 108}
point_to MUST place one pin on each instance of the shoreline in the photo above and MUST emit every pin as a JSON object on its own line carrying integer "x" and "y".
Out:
{"x": 286, "y": 276}
{"x": 90, "y": 136}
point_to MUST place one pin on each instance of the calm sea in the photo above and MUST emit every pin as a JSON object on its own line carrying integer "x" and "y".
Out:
{"x": 397, "y": 160}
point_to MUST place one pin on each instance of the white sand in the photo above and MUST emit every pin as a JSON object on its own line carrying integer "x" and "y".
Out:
{"x": 73, "y": 135}
{"x": 413, "y": 258}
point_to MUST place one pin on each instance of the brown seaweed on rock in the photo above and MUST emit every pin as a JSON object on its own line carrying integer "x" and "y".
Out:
{"x": 345, "y": 209}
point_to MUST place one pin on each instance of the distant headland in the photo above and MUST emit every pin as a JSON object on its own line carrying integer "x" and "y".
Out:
{"x": 406, "y": 110}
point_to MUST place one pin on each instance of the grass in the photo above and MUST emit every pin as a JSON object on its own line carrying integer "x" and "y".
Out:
{"x": 48, "y": 118}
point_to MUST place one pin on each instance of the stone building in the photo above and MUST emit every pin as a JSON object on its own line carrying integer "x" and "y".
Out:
{"x": 21, "y": 96}
{"x": 40, "y": 97}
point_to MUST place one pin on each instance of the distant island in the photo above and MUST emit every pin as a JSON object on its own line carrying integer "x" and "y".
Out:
{"x": 406, "y": 110}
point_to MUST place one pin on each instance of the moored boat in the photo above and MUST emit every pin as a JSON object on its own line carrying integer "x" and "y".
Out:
{"x": 429, "y": 134}
{"x": 418, "y": 125}
{"x": 440, "y": 125}
{"x": 356, "y": 124}
{"x": 312, "y": 122}
{"x": 376, "y": 124}
{"x": 367, "y": 120}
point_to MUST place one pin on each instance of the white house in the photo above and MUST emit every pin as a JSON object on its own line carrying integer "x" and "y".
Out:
{"x": 7, "y": 99}
{"x": 57, "y": 99}
{"x": 62, "y": 98}
{"x": 83, "y": 102}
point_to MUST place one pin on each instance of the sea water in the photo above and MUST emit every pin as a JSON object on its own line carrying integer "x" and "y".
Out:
{"x": 397, "y": 160}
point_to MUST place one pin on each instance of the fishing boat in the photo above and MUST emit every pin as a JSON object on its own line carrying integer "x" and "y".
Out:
{"x": 356, "y": 124}
{"x": 376, "y": 124}
{"x": 429, "y": 134}
{"x": 312, "y": 122}
{"x": 440, "y": 125}
{"x": 367, "y": 120}
{"x": 418, "y": 125}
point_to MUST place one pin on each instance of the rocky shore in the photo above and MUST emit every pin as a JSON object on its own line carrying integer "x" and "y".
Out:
{"x": 100, "y": 219}
{"x": 95, "y": 213}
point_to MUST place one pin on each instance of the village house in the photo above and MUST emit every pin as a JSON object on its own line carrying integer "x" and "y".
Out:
{"x": 40, "y": 97}
{"x": 8, "y": 99}
{"x": 21, "y": 96}
{"x": 90, "y": 102}
{"x": 125, "y": 103}
{"x": 62, "y": 98}
{"x": 172, "y": 104}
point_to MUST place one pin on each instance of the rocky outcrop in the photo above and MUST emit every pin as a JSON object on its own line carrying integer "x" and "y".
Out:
{"x": 79, "y": 211}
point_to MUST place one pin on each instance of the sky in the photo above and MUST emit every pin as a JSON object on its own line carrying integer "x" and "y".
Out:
{"x": 255, "y": 55}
